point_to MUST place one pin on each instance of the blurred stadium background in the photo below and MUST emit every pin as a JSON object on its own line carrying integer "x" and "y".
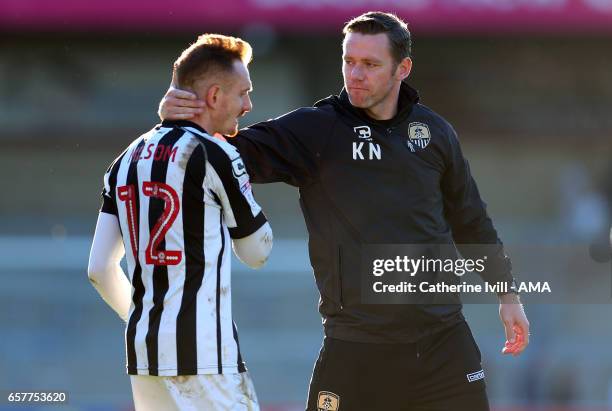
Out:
{"x": 527, "y": 84}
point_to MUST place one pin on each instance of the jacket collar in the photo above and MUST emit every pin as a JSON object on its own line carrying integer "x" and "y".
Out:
{"x": 408, "y": 97}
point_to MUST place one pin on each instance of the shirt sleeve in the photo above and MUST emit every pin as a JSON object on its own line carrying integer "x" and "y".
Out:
{"x": 109, "y": 197}
{"x": 472, "y": 228}
{"x": 285, "y": 149}
{"x": 109, "y": 202}
{"x": 227, "y": 184}
{"x": 104, "y": 269}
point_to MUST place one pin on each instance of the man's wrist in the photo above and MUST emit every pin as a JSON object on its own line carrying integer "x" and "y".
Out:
{"x": 509, "y": 298}
{"x": 511, "y": 287}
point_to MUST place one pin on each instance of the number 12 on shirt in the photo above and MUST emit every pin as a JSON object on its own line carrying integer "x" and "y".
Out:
{"x": 166, "y": 193}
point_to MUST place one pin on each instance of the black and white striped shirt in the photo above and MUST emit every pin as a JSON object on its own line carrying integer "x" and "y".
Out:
{"x": 179, "y": 195}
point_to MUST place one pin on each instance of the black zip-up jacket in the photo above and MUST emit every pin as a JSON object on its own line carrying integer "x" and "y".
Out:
{"x": 363, "y": 181}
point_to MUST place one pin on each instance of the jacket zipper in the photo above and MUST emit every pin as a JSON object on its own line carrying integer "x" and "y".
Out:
{"x": 340, "y": 276}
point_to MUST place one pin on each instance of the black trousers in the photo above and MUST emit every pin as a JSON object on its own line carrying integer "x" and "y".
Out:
{"x": 441, "y": 372}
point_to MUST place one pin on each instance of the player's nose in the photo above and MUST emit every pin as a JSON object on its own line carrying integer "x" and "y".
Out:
{"x": 247, "y": 105}
{"x": 356, "y": 73}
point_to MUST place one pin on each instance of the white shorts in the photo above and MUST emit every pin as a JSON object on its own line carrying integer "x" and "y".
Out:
{"x": 214, "y": 392}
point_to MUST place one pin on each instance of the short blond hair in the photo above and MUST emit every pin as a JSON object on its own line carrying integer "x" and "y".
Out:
{"x": 375, "y": 22}
{"x": 210, "y": 53}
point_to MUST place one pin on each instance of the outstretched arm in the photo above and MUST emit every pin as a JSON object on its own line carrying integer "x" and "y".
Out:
{"x": 285, "y": 149}
{"x": 104, "y": 269}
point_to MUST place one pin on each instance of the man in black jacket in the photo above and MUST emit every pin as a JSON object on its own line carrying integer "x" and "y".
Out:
{"x": 374, "y": 166}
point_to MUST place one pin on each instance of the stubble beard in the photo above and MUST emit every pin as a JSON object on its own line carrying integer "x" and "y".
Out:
{"x": 369, "y": 101}
{"x": 373, "y": 101}
{"x": 234, "y": 131}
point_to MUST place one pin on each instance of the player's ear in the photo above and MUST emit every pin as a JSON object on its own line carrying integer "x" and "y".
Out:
{"x": 212, "y": 95}
{"x": 403, "y": 69}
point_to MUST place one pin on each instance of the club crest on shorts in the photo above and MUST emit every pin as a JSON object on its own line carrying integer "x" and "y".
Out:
{"x": 418, "y": 136}
{"x": 328, "y": 401}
